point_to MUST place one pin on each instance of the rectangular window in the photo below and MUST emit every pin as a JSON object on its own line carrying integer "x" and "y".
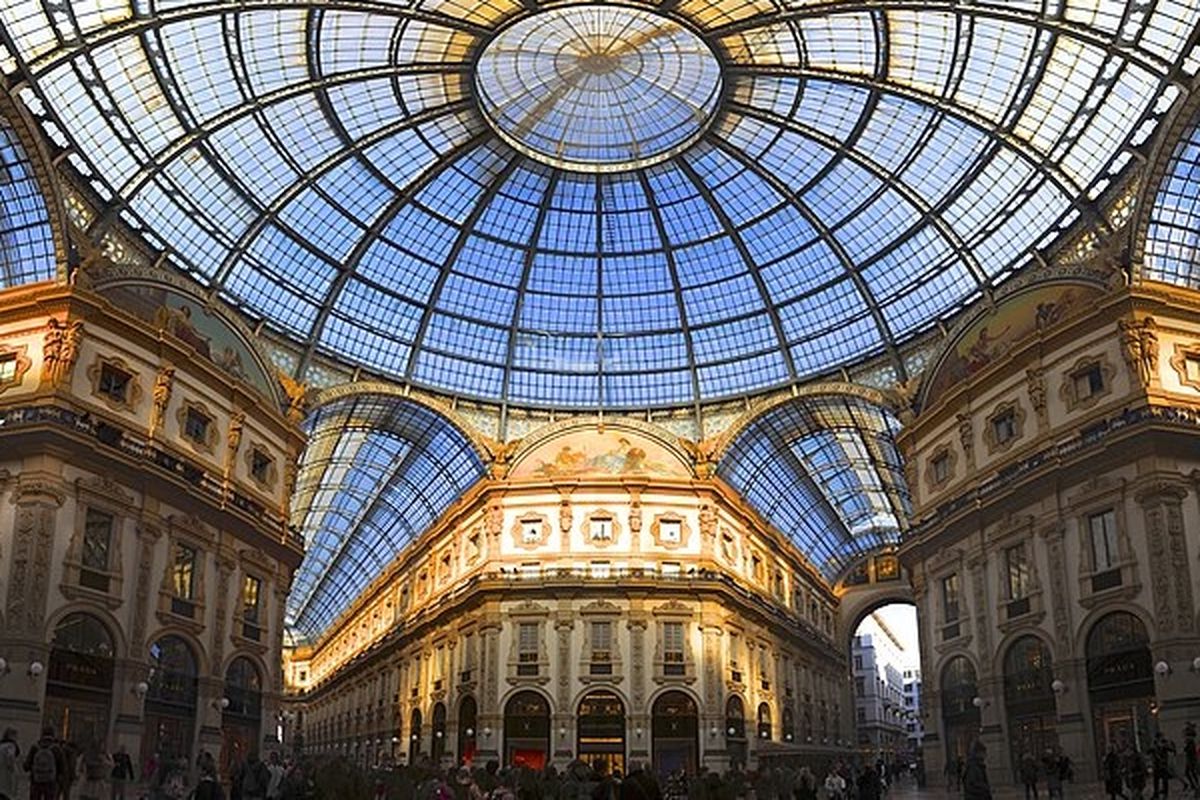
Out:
{"x": 670, "y": 531}
{"x": 1088, "y": 381}
{"x": 1191, "y": 368}
{"x": 601, "y": 529}
{"x": 8, "y": 368}
{"x": 527, "y": 648}
{"x": 1004, "y": 427}
{"x": 531, "y": 531}
{"x": 673, "y": 643}
{"x": 97, "y": 539}
{"x": 251, "y": 591}
{"x": 260, "y": 465}
{"x": 671, "y": 568}
{"x": 531, "y": 570}
{"x": 858, "y": 662}
{"x": 600, "y": 569}
{"x": 1018, "y": 571}
{"x": 860, "y": 686}
{"x": 114, "y": 383}
{"x": 941, "y": 468}
{"x": 950, "y": 597}
{"x": 195, "y": 426}
{"x": 1102, "y": 528}
{"x": 601, "y": 641}
{"x": 756, "y": 567}
{"x": 183, "y": 572}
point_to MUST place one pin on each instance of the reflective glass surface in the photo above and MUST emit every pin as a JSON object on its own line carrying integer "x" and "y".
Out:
{"x": 869, "y": 168}
{"x": 598, "y": 87}
{"x": 26, "y": 243}
{"x": 377, "y": 471}
{"x": 826, "y": 472}
{"x": 1172, "y": 249}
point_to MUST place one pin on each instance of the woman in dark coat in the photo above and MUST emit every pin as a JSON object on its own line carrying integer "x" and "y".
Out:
{"x": 975, "y": 780}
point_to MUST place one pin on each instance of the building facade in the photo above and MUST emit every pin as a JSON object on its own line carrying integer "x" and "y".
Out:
{"x": 598, "y": 598}
{"x": 878, "y": 696}
{"x": 1056, "y": 523}
{"x": 144, "y": 491}
{"x": 914, "y": 716}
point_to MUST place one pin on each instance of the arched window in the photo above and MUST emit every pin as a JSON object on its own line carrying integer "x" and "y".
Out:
{"x": 79, "y": 680}
{"x": 439, "y": 732}
{"x": 243, "y": 689}
{"x": 527, "y": 730}
{"x": 764, "y": 721}
{"x": 789, "y": 724}
{"x": 414, "y": 735}
{"x": 1029, "y": 700}
{"x": 735, "y": 718}
{"x": 172, "y": 678}
{"x": 959, "y": 688}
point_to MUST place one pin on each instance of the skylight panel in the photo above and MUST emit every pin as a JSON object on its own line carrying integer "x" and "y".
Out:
{"x": 921, "y": 48}
{"x": 840, "y": 42}
{"x": 353, "y": 40}
{"x": 1070, "y": 73}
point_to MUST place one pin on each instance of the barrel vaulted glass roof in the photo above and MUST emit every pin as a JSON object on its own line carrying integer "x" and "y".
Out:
{"x": 826, "y": 472}
{"x": 1172, "y": 249}
{"x": 338, "y": 170}
{"x": 378, "y": 470}
{"x": 26, "y": 242}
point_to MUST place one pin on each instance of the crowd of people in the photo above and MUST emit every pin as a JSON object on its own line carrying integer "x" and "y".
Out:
{"x": 58, "y": 770}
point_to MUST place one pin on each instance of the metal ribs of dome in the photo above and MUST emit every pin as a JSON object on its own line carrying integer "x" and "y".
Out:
{"x": 872, "y": 167}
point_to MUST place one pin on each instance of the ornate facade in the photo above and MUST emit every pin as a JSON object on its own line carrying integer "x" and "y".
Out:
{"x": 1054, "y": 554}
{"x": 143, "y": 498}
{"x": 594, "y": 598}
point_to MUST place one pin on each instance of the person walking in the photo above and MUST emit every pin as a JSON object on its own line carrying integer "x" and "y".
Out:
{"x": 1029, "y": 775}
{"x": 93, "y": 768}
{"x": 1052, "y": 767}
{"x": 1191, "y": 775}
{"x": 1160, "y": 761}
{"x": 122, "y": 773}
{"x": 10, "y": 753}
{"x": 208, "y": 788}
{"x": 1112, "y": 775}
{"x": 47, "y": 767}
{"x": 975, "y": 784}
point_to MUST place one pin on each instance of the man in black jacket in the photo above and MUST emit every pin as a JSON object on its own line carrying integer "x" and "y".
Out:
{"x": 47, "y": 767}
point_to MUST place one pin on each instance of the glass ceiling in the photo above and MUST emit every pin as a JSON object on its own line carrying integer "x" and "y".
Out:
{"x": 869, "y": 167}
{"x": 826, "y": 472}
{"x": 26, "y": 243}
{"x": 1172, "y": 249}
{"x": 377, "y": 471}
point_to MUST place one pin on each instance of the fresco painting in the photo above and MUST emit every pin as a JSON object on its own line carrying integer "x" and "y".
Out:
{"x": 613, "y": 452}
{"x": 188, "y": 320}
{"x": 993, "y": 335}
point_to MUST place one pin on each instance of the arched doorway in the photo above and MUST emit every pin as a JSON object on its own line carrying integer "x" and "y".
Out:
{"x": 79, "y": 681}
{"x": 1120, "y": 677}
{"x": 735, "y": 730}
{"x": 527, "y": 730}
{"x": 241, "y": 721}
{"x": 960, "y": 715}
{"x": 675, "y": 733}
{"x": 414, "y": 736}
{"x": 884, "y": 657}
{"x": 789, "y": 724}
{"x": 438, "y": 747}
{"x": 600, "y": 730}
{"x": 468, "y": 717}
{"x": 170, "y": 718}
{"x": 764, "y": 721}
{"x": 1029, "y": 701}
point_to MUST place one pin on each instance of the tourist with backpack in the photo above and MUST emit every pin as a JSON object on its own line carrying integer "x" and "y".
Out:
{"x": 122, "y": 772}
{"x": 255, "y": 779}
{"x": 47, "y": 767}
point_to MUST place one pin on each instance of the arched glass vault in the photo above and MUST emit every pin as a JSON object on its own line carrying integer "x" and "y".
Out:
{"x": 825, "y": 471}
{"x": 378, "y": 470}
{"x": 865, "y": 170}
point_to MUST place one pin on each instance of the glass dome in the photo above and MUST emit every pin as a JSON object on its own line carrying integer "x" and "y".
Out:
{"x": 426, "y": 191}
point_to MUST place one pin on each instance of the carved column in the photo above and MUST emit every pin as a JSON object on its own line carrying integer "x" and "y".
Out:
{"x": 37, "y": 501}
{"x": 1060, "y": 601}
{"x": 490, "y": 715}
{"x": 639, "y": 719}
{"x": 564, "y": 624}
{"x": 981, "y": 611}
{"x": 1161, "y": 502}
{"x": 712, "y": 714}
{"x": 148, "y": 535}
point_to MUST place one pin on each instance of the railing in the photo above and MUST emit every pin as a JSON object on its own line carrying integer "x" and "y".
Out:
{"x": 150, "y": 454}
{"x": 1088, "y": 438}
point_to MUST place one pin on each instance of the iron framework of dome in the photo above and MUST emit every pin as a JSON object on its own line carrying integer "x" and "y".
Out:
{"x": 866, "y": 169}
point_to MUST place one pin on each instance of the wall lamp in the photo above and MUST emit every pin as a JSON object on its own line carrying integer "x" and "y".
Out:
{"x": 221, "y": 704}
{"x": 1196, "y": 664}
{"x": 713, "y": 731}
{"x": 1058, "y": 687}
{"x": 36, "y": 668}
{"x": 979, "y": 702}
{"x": 4, "y": 668}
{"x": 140, "y": 689}
{"x": 1162, "y": 669}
